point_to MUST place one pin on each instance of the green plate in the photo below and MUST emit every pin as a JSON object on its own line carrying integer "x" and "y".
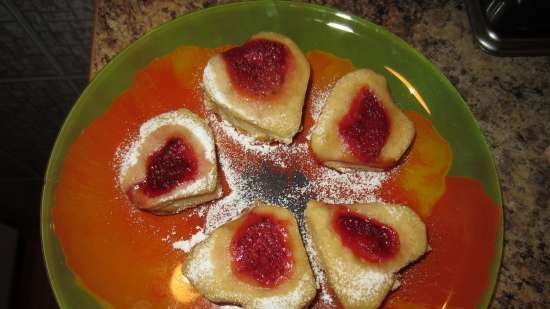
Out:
{"x": 312, "y": 27}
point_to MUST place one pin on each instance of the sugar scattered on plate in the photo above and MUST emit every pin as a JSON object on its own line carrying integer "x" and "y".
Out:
{"x": 187, "y": 245}
{"x": 326, "y": 185}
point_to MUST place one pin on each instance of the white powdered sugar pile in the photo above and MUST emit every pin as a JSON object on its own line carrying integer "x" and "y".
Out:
{"x": 187, "y": 245}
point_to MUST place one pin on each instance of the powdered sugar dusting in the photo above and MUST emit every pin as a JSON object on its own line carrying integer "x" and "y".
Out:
{"x": 203, "y": 263}
{"x": 187, "y": 245}
{"x": 360, "y": 283}
{"x": 247, "y": 142}
{"x": 320, "y": 276}
{"x": 128, "y": 155}
{"x": 232, "y": 205}
{"x": 280, "y": 174}
{"x": 184, "y": 119}
{"x": 334, "y": 187}
{"x": 319, "y": 98}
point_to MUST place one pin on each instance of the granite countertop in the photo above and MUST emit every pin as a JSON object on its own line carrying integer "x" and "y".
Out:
{"x": 510, "y": 97}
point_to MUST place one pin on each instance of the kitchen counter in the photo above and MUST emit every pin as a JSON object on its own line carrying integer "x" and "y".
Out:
{"x": 510, "y": 98}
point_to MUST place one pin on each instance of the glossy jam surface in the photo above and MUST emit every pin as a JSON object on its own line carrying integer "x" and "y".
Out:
{"x": 258, "y": 68}
{"x": 365, "y": 128}
{"x": 367, "y": 238}
{"x": 174, "y": 163}
{"x": 260, "y": 250}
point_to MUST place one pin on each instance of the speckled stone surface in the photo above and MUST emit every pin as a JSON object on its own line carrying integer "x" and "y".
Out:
{"x": 510, "y": 97}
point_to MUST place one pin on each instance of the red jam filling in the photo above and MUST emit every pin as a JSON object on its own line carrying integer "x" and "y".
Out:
{"x": 174, "y": 163}
{"x": 367, "y": 238}
{"x": 258, "y": 67}
{"x": 365, "y": 128}
{"x": 260, "y": 251}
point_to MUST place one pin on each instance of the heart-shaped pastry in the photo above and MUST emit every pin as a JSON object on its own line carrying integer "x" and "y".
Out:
{"x": 172, "y": 165}
{"x": 361, "y": 247}
{"x": 257, "y": 261}
{"x": 260, "y": 86}
{"x": 360, "y": 127}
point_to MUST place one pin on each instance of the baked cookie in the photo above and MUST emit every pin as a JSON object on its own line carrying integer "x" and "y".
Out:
{"x": 172, "y": 165}
{"x": 360, "y": 127}
{"x": 257, "y": 261}
{"x": 259, "y": 86}
{"x": 362, "y": 246}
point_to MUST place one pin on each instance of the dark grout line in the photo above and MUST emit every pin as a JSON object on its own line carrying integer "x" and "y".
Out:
{"x": 38, "y": 41}
{"x": 41, "y": 78}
